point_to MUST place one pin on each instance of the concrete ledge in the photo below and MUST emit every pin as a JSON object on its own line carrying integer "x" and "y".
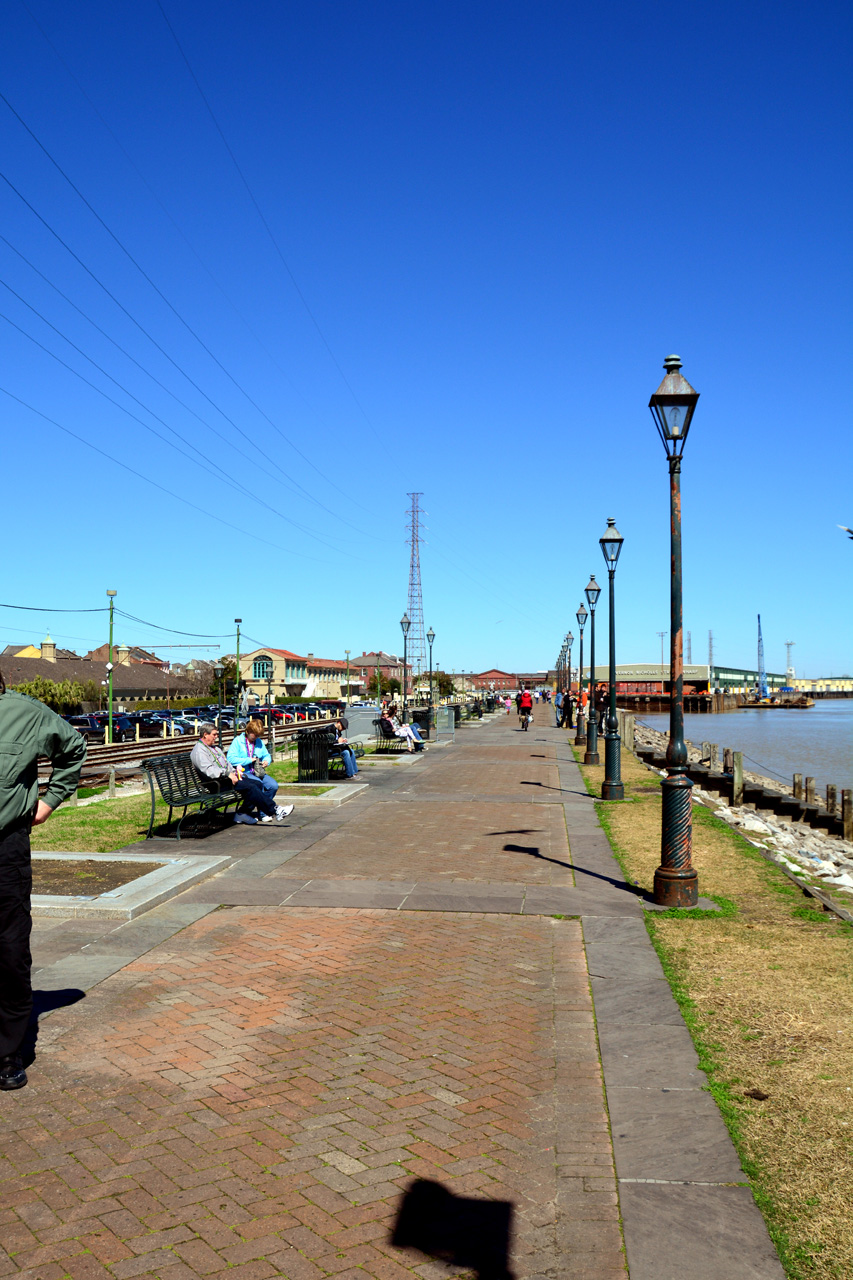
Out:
{"x": 129, "y": 900}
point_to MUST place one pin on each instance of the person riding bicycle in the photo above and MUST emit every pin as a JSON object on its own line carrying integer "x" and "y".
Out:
{"x": 525, "y": 706}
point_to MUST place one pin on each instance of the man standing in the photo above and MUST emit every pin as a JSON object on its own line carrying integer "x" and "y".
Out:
{"x": 558, "y": 707}
{"x": 28, "y": 729}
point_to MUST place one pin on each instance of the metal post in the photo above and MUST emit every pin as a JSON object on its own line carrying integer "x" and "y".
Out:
{"x": 612, "y": 788}
{"x": 580, "y": 735}
{"x": 591, "y": 755}
{"x": 676, "y": 881}
{"x": 111, "y": 595}
{"x": 237, "y": 679}
{"x": 347, "y": 652}
{"x": 568, "y": 692}
{"x": 270, "y": 720}
{"x": 405, "y": 712}
{"x": 430, "y": 678}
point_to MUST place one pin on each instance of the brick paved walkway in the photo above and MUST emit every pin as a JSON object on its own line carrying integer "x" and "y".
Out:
{"x": 259, "y": 1070}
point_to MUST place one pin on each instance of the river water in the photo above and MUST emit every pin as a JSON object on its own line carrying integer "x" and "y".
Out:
{"x": 815, "y": 741}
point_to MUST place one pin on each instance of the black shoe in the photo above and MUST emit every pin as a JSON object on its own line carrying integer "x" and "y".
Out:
{"x": 12, "y": 1073}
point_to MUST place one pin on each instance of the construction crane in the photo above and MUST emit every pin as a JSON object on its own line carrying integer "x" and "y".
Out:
{"x": 762, "y": 674}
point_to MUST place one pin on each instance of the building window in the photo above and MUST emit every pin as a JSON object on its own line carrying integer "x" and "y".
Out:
{"x": 262, "y": 669}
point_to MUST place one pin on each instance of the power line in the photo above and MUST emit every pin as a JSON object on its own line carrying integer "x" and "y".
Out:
{"x": 205, "y": 511}
{"x": 162, "y": 296}
{"x": 198, "y": 635}
{"x": 31, "y": 608}
{"x": 195, "y": 254}
{"x": 264, "y": 222}
{"x": 224, "y": 475}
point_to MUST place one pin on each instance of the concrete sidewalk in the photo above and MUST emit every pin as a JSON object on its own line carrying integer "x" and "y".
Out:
{"x": 447, "y": 978}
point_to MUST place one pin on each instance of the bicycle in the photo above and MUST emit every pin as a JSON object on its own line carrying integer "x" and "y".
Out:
{"x": 525, "y": 718}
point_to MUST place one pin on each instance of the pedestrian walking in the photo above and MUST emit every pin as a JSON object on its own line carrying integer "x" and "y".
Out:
{"x": 28, "y": 729}
{"x": 558, "y": 707}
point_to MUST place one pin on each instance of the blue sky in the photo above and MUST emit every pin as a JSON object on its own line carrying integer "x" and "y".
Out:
{"x": 488, "y": 224}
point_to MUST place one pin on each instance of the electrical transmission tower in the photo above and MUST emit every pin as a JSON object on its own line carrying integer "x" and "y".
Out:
{"x": 689, "y": 648}
{"x": 789, "y": 670}
{"x": 417, "y": 641}
{"x": 710, "y": 648}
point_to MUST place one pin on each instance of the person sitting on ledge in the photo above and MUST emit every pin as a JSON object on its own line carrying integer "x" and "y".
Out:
{"x": 210, "y": 762}
{"x": 411, "y": 732}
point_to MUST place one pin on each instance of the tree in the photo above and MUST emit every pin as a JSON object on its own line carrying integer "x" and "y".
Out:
{"x": 442, "y": 684}
{"x": 387, "y": 684}
{"x": 229, "y": 674}
{"x": 60, "y": 695}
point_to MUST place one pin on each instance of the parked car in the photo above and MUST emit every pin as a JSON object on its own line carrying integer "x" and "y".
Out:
{"x": 123, "y": 730}
{"x": 91, "y": 730}
{"x": 149, "y": 725}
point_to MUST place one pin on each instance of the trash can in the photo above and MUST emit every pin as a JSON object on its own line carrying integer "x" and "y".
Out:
{"x": 457, "y": 713}
{"x": 421, "y": 718}
{"x": 490, "y": 703}
{"x": 312, "y": 748}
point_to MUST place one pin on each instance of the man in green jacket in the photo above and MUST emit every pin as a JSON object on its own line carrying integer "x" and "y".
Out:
{"x": 28, "y": 729}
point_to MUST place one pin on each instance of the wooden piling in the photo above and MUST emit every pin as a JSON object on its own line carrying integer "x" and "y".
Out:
{"x": 847, "y": 814}
{"x": 112, "y": 786}
{"x": 798, "y": 786}
{"x": 727, "y": 760}
{"x": 809, "y": 790}
{"x": 737, "y": 777}
{"x": 831, "y": 799}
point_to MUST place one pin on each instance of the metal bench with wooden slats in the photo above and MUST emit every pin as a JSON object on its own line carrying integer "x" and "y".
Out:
{"x": 180, "y": 786}
{"x": 386, "y": 738}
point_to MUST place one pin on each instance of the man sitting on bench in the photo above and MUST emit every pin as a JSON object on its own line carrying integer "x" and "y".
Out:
{"x": 210, "y": 763}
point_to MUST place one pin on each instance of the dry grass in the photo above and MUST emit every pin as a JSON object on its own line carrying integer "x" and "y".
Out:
{"x": 768, "y": 993}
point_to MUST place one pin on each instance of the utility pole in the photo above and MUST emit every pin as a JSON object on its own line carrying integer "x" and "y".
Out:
{"x": 661, "y": 636}
{"x": 111, "y": 596}
{"x": 237, "y": 679}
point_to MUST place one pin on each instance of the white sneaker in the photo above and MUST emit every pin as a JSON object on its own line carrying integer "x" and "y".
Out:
{"x": 283, "y": 811}
{"x": 266, "y": 817}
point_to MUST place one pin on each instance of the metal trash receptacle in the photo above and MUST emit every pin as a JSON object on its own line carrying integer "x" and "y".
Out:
{"x": 312, "y": 748}
{"x": 421, "y": 718}
{"x": 456, "y": 708}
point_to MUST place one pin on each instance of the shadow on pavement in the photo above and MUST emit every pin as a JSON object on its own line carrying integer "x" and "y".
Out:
{"x": 533, "y": 852}
{"x": 44, "y": 1002}
{"x": 455, "y": 1229}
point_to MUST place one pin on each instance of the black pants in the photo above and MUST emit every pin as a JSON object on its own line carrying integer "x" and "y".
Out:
{"x": 16, "y": 886}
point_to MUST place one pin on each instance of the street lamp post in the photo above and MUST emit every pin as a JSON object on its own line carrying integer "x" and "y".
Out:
{"x": 405, "y": 623}
{"x": 568, "y": 692}
{"x": 430, "y": 637}
{"x": 270, "y": 721}
{"x": 612, "y": 787}
{"x": 111, "y": 595}
{"x": 218, "y": 671}
{"x": 580, "y": 735}
{"x": 676, "y": 881}
{"x": 347, "y": 652}
{"x": 591, "y": 756}
{"x": 237, "y": 679}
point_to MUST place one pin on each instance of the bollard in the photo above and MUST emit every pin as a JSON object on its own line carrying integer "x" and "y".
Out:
{"x": 628, "y": 733}
{"x": 798, "y": 786}
{"x": 831, "y": 800}
{"x": 137, "y": 730}
{"x": 737, "y": 777}
{"x": 111, "y": 792}
{"x": 847, "y": 814}
{"x": 809, "y": 796}
{"x": 72, "y": 799}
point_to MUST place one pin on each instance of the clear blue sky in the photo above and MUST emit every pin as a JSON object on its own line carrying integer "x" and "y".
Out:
{"x": 497, "y": 219}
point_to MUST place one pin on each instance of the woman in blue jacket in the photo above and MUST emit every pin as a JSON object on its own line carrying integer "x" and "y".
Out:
{"x": 246, "y": 751}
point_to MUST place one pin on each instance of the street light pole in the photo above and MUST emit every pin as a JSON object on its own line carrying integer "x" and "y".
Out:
{"x": 347, "y": 652}
{"x": 676, "y": 880}
{"x": 591, "y": 756}
{"x": 237, "y": 679}
{"x": 218, "y": 670}
{"x": 612, "y": 787}
{"x": 568, "y": 692}
{"x": 580, "y": 735}
{"x": 111, "y": 596}
{"x": 405, "y": 623}
{"x": 430, "y": 637}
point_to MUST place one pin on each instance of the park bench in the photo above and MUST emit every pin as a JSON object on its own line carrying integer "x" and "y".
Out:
{"x": 180, "y": 786}
{"x": 386, "y": 739}
{"x": 336, "y": 764}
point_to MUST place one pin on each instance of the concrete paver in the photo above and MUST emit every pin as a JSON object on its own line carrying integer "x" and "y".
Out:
{"x": 389, "y": 992}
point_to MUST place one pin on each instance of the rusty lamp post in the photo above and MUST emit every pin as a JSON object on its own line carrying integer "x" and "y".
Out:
{"x": 580, "y": 736}
{"x": 612, "y": 787}
{"x": 676, "y": 881}
{"x": 591, "y": 756}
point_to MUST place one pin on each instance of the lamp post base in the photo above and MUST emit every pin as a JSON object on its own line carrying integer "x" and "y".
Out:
{"x": 676, "y": 879}
{"x": 580, "y": 736}
{"x": 612, "y": 788}
{"x": 591, "y": 755}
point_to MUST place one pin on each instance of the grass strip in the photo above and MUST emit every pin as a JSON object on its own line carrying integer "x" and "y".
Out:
{"x": 765, "y": 986}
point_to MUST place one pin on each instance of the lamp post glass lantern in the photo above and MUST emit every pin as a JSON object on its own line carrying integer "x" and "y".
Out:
{"x": 612, "y": 787}
{"x": 676, "y": 882}
{"x": 592, "y": 591}
{"x": 580, "y": 735}
{"x": 405, "y": 623}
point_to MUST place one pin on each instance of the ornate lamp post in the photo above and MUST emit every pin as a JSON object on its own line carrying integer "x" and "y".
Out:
{"x": 568, "y": 689}
{"x": 580, "y": 736}
{"x": 676, "y": 881}
{"x": 111, "y": 595}
{"x": 347, "y": 652}
{"x": 591, "y": 756}
{"x": 612, "y": 787}
{"x": 405, "y": 623}
{"x": 430, "y": 637}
